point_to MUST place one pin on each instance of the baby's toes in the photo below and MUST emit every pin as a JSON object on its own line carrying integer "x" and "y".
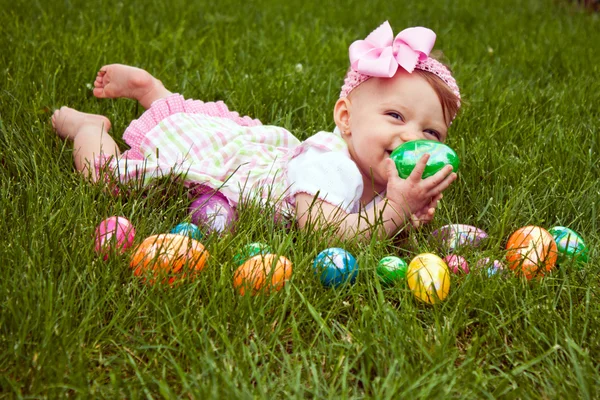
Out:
{"x": 56, "y": 116}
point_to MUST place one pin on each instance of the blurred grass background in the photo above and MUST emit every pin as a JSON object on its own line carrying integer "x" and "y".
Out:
{"x": 527, "y": 137}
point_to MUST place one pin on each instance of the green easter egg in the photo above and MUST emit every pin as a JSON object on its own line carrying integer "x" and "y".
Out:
{"x": 570, "y": 245}
{"x": 249, "y": 251}
{"x": 406, "y": 157}
{"x": 391, "y": 269}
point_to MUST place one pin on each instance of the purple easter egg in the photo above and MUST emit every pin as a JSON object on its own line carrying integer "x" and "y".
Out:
{"x": 491, "y": 267}
{"x": 114, "y": 233}
{"x": 457, "y": 235}
{"x": 457, "y": 264}
{"x": 213, "y": 212}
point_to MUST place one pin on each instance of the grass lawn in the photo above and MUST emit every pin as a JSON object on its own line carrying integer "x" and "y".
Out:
{"x": 528, "y": 138}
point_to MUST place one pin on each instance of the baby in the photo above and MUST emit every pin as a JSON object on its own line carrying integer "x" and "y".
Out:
{"x": 393, "y": 93}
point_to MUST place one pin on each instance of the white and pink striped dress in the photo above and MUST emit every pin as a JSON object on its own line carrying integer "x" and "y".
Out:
{"x": 206, "y": 144}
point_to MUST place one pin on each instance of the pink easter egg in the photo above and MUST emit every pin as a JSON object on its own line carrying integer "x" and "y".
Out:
{"x": 213, "y": 212}
{"x": 457, "y": 264}
{"x": 114, "y": 232}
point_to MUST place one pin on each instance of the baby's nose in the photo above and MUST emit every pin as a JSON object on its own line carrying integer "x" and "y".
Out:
{"x": 410, "y": 134}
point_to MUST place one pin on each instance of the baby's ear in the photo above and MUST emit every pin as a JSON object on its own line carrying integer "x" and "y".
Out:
{"x": 341, "y": 114}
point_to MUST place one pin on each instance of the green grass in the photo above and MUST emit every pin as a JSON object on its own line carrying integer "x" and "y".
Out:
{"x": 528, "y": 139}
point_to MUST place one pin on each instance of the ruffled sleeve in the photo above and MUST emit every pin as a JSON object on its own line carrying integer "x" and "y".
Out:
{"x": 330, "y": 175}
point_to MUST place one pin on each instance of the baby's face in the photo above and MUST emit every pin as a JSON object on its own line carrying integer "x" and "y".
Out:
{"x": 385, "y": 113}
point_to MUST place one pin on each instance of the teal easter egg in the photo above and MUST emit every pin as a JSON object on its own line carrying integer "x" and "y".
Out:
{"x": 335, "y": 267}
{"x": 570, "y": 245}
{"x": 250, "y": 250}
{"x": 391, "y": 269}
{"x": 407, "y": 155}
{"x": 188, "y": 229}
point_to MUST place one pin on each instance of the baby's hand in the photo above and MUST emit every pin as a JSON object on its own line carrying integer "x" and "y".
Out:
{"x": 425, "y": 215}
{"x": 415, "y": 195}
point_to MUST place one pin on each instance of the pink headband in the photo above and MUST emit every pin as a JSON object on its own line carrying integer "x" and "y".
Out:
{"x": 380, "y": 55}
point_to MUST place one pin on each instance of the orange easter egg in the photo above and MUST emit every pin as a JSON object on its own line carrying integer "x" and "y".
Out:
{"x": 267, "y": 271}
{"x": 531, "y": 251}
{"x": 167, "y": 254}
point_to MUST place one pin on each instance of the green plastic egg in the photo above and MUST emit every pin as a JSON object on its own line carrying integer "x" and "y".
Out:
{"x": 570, "y": 245}
{"x": 250, "y": 250}
{"x": 406, "y": 157}
{"x": 391, "y": 269}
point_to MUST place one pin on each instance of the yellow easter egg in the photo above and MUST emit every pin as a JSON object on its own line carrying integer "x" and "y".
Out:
{"x": 428, "y": 278}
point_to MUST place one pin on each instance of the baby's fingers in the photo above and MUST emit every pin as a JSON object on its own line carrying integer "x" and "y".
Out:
{"x": 422, "y": 217}
{"x": 446, "y": 182}
{"x": 439, "y": 176}
{"x": 390, "y": 169}
{"x": 415, "y": 221}
{"x": 435, "y": 200}
{"x": 417, "y": 172}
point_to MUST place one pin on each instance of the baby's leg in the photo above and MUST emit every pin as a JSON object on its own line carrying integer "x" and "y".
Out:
{"x": 89, "y": 133}
{"x": 118, "y": 80}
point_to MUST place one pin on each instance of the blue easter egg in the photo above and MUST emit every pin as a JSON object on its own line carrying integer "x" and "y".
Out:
{"x": 335, "y": 266}
{"x": 492, "y": 268}
{"x": 188, "y": 229}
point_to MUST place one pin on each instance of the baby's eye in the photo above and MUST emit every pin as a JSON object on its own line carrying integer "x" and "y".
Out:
{"x": 434, "y": 133}
{"x": 396, "y": 116}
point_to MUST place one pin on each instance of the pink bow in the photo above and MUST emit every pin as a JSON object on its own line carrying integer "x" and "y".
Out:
{"x": 380, "y": 53}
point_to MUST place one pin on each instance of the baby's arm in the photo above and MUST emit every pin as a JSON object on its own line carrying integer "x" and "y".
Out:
{"x": 313, "y": 212}
{"x": 404, "y": 197}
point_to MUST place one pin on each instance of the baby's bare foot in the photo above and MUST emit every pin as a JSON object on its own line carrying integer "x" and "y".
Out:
{"x": 67, "y": 122}
{"x": 118, "y": 80}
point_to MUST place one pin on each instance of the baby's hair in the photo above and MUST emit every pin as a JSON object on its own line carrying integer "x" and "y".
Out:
{"x": 450, "y": 102}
